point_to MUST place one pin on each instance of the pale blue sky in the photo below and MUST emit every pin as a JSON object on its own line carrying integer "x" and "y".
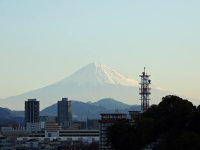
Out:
{"x": 43, "y": 41}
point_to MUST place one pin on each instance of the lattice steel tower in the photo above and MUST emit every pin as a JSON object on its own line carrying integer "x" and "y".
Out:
{"x": 145, "y": 91}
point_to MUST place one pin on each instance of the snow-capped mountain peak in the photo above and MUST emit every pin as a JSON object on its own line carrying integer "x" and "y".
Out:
{"x": 90, "y": 83}
{"x": 99, "y": 74}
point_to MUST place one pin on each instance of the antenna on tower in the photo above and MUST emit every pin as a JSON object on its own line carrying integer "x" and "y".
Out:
{"x": 145, "y": 91}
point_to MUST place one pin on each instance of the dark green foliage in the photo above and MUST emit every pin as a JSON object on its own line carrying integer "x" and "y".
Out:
{"x": 121, "y": 135}
{"x": 187, "y": 140}
{"x": 145, "y": 131}
{"x": 172, "y": 124}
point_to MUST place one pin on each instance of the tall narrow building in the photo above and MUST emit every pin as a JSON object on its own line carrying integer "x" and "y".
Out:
{"x": 32, "y": 115}
{"x": 64, "y": 112}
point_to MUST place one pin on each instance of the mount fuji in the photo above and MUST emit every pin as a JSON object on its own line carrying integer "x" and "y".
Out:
{"x": 90, "y": 83}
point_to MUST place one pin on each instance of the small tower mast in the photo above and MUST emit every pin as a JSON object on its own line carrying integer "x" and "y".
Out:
{"x": 144, "y": 91}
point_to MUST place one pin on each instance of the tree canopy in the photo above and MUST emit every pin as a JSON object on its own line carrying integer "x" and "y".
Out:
{"x": 172, "y": 124}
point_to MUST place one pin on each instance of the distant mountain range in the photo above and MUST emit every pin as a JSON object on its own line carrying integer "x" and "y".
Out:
{"x": 111, "y": 104}
{"x": 6, "y": 115}
{"x": 90, "y": 83}
{"x": 81, "y": 111}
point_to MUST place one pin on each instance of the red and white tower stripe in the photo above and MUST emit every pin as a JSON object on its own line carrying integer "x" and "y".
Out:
{"x": 144, "y": 91}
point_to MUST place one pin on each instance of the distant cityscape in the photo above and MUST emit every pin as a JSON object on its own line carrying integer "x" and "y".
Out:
{"x": 143, "y": 129}
{"x": 137, "y": 128}
{"x": 61, "y": 132}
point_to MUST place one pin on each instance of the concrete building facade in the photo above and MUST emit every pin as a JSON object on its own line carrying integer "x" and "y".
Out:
{"x": 64, "y": 112}
{"x": 32, "y": 115}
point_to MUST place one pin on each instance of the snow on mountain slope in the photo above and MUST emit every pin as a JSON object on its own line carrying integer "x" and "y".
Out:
{"x": 90, "y": 83}
{"x": 98, "y": 74}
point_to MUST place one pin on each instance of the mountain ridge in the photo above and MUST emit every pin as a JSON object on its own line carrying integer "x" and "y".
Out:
{"x": 96, "y": 74}
{"x": 110, "y": 103}
{"x": 90, "y": 83}
{"x": 82, "y": 111}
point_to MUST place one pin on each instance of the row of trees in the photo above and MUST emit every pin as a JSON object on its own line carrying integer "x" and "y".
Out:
{"x": 172, "y": 124}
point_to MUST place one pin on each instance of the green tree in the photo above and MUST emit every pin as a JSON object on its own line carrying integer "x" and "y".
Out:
{"x": 121, "y": 135}
{"x": 172, "y": 124}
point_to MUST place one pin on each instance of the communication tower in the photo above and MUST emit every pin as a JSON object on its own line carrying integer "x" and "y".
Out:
{"x": 145, "y": 91}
